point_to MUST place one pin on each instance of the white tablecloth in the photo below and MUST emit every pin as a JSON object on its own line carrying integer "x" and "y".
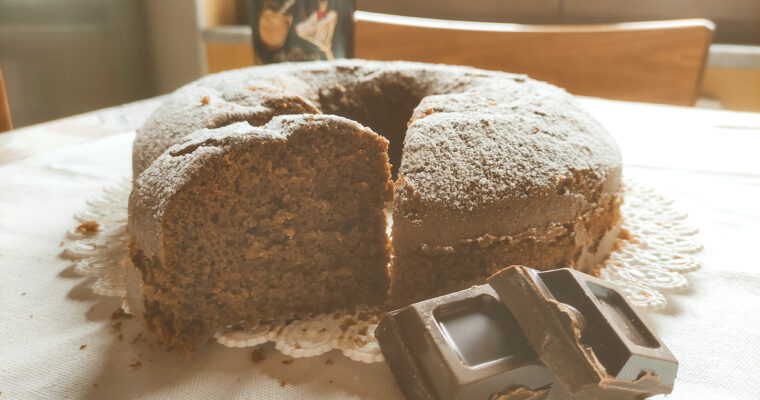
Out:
{"x": 58, "y": 340}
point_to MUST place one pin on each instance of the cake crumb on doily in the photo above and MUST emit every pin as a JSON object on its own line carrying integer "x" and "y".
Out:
{"x": 88, "y": 228}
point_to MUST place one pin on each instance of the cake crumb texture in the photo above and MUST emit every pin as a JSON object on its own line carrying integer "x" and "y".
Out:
{"x": 283, "y": 220}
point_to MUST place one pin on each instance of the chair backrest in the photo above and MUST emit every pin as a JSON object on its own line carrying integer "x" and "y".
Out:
{"x": 659, "y": 61}
{"x": 5, "y": 112}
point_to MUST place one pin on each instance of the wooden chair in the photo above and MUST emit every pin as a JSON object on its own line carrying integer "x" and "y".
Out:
{"x": 659, "y": 62}
{"x": 5, "y": 112}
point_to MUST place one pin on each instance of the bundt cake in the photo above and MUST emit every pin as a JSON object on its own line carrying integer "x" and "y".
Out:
{"x": 257, "y": 197}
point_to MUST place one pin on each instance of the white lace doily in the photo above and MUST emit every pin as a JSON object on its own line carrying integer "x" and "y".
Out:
{"x": 654, "y": 251}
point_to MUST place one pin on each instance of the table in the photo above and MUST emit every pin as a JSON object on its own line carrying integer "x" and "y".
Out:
{"x": 58, "y": 340}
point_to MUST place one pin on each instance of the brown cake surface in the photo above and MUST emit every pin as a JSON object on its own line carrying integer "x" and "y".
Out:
{"x": 491, "y": 169}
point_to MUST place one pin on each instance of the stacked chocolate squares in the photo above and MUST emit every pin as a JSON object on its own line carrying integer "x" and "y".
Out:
{"x": 526, "y": 334}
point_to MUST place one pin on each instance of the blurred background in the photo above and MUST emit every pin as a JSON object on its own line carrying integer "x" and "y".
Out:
{"x": 63, "y": 57}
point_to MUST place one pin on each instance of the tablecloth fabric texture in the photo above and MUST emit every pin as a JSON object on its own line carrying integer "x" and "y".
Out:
{"x": 58, "y": 340}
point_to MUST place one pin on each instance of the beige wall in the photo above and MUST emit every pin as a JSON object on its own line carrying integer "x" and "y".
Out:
{"x": 61, "y": 58}
{"x": 178, "y": 56}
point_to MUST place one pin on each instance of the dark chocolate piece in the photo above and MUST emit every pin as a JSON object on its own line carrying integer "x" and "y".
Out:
{"x": 464, "y": 345}
{"x": 587, "y": 334}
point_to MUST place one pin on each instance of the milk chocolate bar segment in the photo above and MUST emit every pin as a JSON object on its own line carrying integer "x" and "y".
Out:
{"x": 464, "y": 345}
{"x": 586, "y": 333}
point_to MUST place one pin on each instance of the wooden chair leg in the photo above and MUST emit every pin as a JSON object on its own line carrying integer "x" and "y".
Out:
{"x": 5, "y": 112}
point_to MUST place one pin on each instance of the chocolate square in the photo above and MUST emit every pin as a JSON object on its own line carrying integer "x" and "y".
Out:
{"x": 585, "y": 331}
{"x": 464, "y": 345}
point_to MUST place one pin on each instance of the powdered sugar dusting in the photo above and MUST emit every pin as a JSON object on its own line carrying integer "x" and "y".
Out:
{"x": 486, "y": 152}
